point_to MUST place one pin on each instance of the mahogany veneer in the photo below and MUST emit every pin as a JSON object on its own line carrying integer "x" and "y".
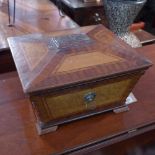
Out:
{"x": 18, "y": 124}
{"x": 69, "y": 77}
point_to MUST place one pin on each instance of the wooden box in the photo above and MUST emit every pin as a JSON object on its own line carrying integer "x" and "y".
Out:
{"x": 72, "y": 76}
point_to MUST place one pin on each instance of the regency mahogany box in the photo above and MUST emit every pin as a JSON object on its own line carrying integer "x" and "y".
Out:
{"x": 72, "y": 76}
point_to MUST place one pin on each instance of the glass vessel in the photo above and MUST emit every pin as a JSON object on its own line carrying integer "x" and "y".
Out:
{"x": 120, "y": 15}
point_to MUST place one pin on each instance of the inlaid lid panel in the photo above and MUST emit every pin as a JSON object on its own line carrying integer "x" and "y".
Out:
{"x": 46, "y": 62}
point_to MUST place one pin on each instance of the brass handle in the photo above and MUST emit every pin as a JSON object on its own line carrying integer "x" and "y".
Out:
{"x": 89, "y": 97}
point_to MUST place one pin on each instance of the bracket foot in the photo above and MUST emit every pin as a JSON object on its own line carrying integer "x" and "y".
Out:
{"x": 121, "y": 109}
{"x": 42, "y": 131}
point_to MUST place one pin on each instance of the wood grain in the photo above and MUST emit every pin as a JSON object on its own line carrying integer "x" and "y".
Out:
{"x": 79, "y": 61}
{"x": 18, "y": 128}
{"x": 66, "y": 104}
{"x": 67, "y": 61}
{"x": 17, "y": 120}
{"x": 31, "y": 17}
{"x": 43, "y": 76}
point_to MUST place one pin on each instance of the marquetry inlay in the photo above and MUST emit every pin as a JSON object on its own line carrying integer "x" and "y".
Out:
{"x": 84, "y": 60}
{"x": 34, "y": 53}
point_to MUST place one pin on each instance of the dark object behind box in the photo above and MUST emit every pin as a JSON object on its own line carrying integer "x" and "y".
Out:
{"x": 74, "y": 76}
{"x": 82, "y": 13}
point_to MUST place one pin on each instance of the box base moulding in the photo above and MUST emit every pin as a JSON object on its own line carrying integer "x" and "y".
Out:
{"x": 42, "y": 131}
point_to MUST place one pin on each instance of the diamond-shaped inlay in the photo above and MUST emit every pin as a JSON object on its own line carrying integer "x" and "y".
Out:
{"x": 85, "y": 60}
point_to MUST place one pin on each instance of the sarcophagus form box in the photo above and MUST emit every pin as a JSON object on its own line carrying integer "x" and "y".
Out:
{"x": 72, "y": 76}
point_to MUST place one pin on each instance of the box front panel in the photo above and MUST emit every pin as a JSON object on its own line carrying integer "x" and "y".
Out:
{"x": 76, "y": 102}
{"x": 105, "y": 95}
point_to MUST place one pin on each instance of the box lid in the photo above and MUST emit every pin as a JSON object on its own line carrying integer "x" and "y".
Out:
{"x": 48, "y": 61}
